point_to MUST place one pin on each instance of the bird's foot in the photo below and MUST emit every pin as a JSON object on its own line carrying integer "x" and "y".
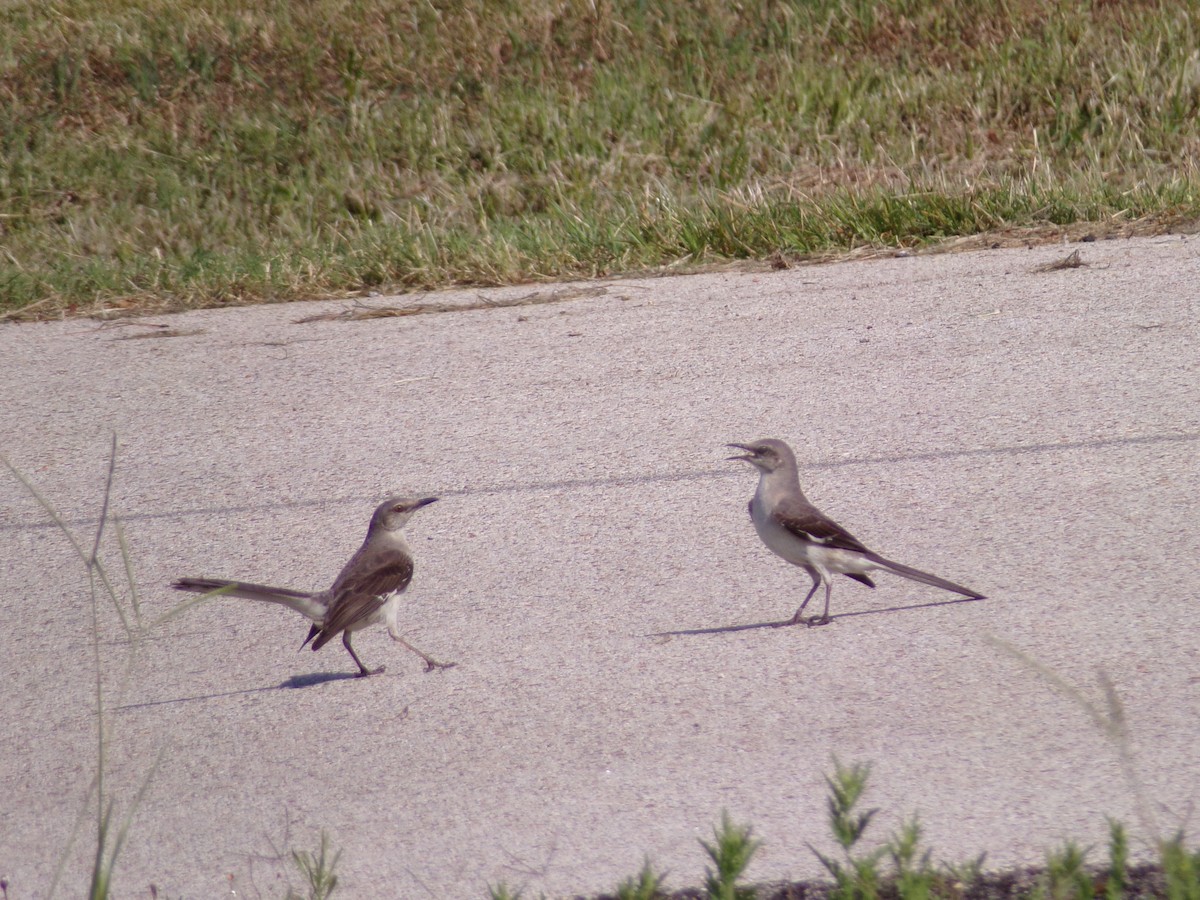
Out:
{"x": 432, "y": 664}
{"x": 363, "y": 673}
{"x": 814, "y": 621}
{"x": 790, "y": 622}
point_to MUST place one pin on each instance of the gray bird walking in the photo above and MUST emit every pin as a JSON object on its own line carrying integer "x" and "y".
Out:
{"x": 794, "y": 529}
{"x": 366, "y": 592}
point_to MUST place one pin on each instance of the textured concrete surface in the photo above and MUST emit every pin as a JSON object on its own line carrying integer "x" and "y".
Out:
{"x": 1031, "y": 433}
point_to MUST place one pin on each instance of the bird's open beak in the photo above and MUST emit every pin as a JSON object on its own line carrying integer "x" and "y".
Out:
{"x": 748, "y": 456}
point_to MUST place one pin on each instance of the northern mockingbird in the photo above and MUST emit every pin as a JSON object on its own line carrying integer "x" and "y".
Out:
{"x": 793, "y": 528}
{"x": 366, "y": 592}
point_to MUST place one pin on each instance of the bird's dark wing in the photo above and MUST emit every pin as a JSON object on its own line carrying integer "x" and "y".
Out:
{"x": 361, "y": 589}
{"x": 350, "y": 609}
{"x": 374, "y": 573}
{"x": 808, "y": 523}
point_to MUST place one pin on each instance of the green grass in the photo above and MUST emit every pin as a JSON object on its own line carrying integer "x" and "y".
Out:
{"x": 170, "y": 155}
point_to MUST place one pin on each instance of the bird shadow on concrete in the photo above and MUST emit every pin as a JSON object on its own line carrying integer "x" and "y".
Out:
{"x": 726, "y": 629}
{"x": 296, "y": 681}
{"x": 303, "y": 681}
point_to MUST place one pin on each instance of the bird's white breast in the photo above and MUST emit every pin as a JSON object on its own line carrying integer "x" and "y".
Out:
{"x": 779, "y": 540}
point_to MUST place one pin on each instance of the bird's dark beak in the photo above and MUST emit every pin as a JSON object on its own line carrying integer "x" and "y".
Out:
{"x": 748, "y": 456}
{"x": 425, "y": 501}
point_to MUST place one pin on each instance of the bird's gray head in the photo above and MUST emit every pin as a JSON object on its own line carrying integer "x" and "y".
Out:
{"x": 767, "y": 455}
{"x": 394, "y": 512}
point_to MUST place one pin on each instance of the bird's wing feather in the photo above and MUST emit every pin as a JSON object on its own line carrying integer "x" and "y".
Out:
{"x": 351, "y": 609}
{"x": 808, "y": 523}
{"x": 361, "y": 588}
{"x": 374, "y": 573}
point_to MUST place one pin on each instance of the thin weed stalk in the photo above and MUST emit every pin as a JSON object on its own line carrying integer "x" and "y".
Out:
{"x": 1110, "y": 719}
{"x": 110, "y": 835}
{"x": 318, "y": 870}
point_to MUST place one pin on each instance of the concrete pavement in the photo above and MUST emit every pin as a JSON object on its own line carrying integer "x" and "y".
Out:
{"x": 1033, "y": 434}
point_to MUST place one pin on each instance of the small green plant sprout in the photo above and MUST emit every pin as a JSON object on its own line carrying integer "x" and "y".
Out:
{"x": 318, "y": 871}
{"x": 502, "y": 891}
{"x": 1181, "y": 869}
{"x": 845, "y": 790}
{"x": 730, "y": 852}
{"x": 646, "y": 885}
{"x": 1118, "y": 861}
{"x": 915, "y": 877}
{"x": 858, "y": 876}
{"x": 1066, "y": 876}
{"x": 961, "y": 877}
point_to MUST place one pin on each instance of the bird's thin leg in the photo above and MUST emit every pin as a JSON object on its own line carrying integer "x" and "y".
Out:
{"x": 796, "y": 619}
{"x": 823, "y": 619}
{"x": 363, "y": 671}
{"x": 430, "y": 662}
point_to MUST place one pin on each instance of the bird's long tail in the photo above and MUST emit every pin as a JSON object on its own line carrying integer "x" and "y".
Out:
{"x": 301, "y": 601}
{"x": 923, "y": 577}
